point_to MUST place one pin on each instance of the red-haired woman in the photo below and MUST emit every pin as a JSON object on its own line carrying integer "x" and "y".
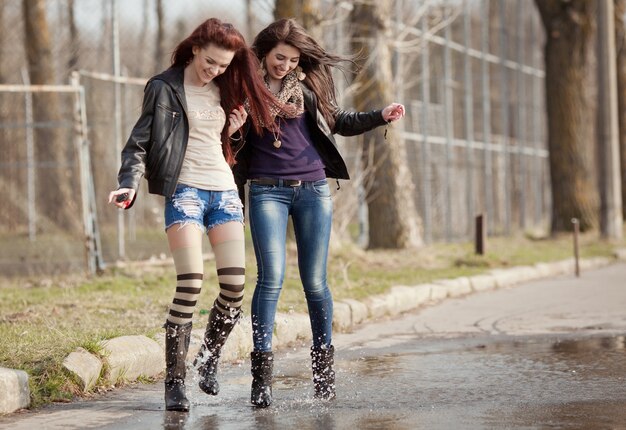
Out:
{"x": 182, "y": 145}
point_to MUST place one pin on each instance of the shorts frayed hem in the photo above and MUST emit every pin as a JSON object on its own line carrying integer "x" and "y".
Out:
{"x": 186, "y": 223}
{"x": 224, "y": 221}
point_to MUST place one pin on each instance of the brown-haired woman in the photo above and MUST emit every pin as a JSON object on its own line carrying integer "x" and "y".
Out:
{"x": 287, "y": 169}
{"x": 182, "y": 145}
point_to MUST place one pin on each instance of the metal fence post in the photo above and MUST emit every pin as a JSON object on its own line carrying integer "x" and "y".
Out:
{"x": 30, "y": 160}
{"x": 93, "y": 247}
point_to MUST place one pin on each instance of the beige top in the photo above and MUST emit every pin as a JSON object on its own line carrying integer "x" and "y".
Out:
{"x": 204, "y": 165}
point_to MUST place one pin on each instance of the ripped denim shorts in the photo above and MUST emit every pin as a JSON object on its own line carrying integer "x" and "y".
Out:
{"x": 206, "y": 209}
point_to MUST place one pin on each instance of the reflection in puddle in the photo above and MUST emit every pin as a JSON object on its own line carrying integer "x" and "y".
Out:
{"x": 525, "y": 382}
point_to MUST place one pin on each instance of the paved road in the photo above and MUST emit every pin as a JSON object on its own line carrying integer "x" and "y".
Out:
{"x": 548, "y": 354}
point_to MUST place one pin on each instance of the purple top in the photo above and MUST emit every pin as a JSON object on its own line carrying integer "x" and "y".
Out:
{"x": 296, "y": 158}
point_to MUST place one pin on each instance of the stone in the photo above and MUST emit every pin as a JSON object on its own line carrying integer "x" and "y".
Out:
{"x": 85, "y": 366}
{"x": 129, "y": 357}
{"x": 14, "y": 391}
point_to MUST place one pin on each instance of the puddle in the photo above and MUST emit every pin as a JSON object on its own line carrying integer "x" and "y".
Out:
{"x": 521, "y": 382}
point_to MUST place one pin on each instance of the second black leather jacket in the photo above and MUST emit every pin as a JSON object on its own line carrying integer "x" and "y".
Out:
{"x": 346, "y": 124}
{"x": 157, "y": 144}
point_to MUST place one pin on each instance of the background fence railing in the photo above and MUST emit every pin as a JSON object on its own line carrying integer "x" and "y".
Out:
{"x": 475, "y": 128}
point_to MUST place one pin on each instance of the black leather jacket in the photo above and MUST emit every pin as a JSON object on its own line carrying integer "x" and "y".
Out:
{"x": 157, "y": 144}
{"x": 346, "y": 124}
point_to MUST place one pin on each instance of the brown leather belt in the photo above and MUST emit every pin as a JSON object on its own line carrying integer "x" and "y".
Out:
{"x": 276, "y": 182}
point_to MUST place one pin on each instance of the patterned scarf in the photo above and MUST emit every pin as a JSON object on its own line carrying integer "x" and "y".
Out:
{"x": 290, "y": 97}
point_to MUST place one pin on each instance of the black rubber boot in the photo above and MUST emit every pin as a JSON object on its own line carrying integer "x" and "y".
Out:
{"x": 262, "y": 367}
{"x": 217, "y": 331}
{"x": 176, "y": 347}
{"x": 323, "y": 360}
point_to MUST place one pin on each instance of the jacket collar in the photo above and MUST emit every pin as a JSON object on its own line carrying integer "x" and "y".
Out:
{"x": 310, "y": 103}
{"x": 175, "y": 78}
{"x": 310, "y": 100}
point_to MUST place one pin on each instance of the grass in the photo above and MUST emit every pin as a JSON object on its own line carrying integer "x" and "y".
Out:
{"x": 43, "y": 319}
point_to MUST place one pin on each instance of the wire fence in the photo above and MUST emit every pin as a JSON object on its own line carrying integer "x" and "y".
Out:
{"x": 475, "y": 128}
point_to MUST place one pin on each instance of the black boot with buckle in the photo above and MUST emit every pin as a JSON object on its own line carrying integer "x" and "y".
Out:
{"x": 176, "y": 347}
{"x": 217, "y": 331}
{"x": 323, "y": 360}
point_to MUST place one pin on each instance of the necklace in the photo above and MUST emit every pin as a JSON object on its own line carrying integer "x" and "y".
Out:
{"x": 277, "y": 143}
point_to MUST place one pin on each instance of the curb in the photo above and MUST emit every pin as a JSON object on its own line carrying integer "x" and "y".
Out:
{"x": 129, "y": 358}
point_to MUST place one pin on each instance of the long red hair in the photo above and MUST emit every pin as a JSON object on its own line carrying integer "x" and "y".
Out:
{"x": 239, "y": 82}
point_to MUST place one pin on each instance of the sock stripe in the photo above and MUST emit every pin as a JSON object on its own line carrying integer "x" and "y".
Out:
{"x": 187, "y": 276}
{"x": 230, "y": 299}
{"x": 231, "y": 271}
{"x": 188, "y": 303}
{"x": 188, "y": 290}
{"x": 238, "y": 288}
{"x": 179, "y": 314}
{"x": 225, "y": 309}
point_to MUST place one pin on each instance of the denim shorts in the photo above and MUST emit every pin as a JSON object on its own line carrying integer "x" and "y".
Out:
{"x": 206, "y": 209}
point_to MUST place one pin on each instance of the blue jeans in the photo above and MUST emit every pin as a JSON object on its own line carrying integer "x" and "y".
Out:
{"x": 311, "y": 207}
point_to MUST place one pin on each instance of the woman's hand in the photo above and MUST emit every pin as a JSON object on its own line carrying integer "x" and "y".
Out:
{"x": 122, "y": 197}
{"x": 236, "y": 119}
{"x": 393, "y": 112}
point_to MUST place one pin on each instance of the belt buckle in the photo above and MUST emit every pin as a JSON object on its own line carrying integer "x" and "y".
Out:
{"x": 296, "y": 183}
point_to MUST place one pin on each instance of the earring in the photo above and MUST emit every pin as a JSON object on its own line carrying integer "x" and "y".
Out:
{"x": 300, "y": 74}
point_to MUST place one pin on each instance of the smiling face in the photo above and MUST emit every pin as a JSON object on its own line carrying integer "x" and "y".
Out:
{"x": 281, "y": 60}
{"x": 207, "y": 63}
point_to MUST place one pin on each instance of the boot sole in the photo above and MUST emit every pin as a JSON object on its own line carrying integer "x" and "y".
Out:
{"x": 177, "y": 409}
{"x": 207, "y": 390}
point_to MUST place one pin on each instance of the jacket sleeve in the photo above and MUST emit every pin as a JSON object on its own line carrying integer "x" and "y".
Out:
{"x": 353, "y": 123}
{"x": 135, "y": 152}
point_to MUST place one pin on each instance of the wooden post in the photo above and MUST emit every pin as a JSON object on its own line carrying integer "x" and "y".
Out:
{"x": 576, "y": 256}
{"x": 481, "y": 234}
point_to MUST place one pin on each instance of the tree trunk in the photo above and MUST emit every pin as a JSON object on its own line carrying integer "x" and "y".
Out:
{"x": 56, "y": 178}
{"x": 286, "y": 9}
{"x": 159, "y": 61}
{"x": 311, "y": 18}
{"x": 250, "y": 21}
{"x": 3, "y": 34}
{"x": 393, "y": 219}
{"x": 620, "y": 46}
{"x": 72, "y": 63}
{"x": 568, "y": 28}
{"x": 306, "y": 12}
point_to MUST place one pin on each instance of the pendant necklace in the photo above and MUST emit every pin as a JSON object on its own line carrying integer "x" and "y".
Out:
{"x": 277, "y": 143}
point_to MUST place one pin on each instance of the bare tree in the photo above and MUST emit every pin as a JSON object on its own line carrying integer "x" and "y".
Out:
{"x": 55, "y": 193}
{"x": 392, "y": 215}
{"x": 620, "y": 45}
{"x": 569, "y": 29}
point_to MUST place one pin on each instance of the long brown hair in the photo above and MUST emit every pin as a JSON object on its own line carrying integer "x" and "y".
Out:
{"x": 315, "y": 61}
{"x": 239, "y": 82}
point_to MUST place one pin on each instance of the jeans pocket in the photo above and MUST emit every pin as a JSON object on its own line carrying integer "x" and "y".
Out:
{"x": 321, "y": 189}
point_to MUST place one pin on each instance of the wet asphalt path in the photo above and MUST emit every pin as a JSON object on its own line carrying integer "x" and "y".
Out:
{"x": 548, "y": 354}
